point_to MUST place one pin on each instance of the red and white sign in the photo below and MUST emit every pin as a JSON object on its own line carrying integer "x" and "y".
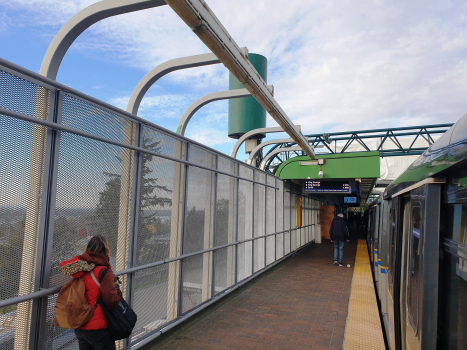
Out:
{"x": 82, "y": 233}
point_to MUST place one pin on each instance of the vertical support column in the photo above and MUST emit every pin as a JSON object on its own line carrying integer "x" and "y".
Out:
{"x": 253, "y": 225}
{"x": 176, "y": 220}
{"x": 134, "y": 199}
{"x": 46, "y": 230}
{"x": 209, "y": 215}
{"x": 318, "y": 222}
{"x": 237, "y": 184}
{"x": 232, "y": 225}
{"x": 32, "y": 226}
{"x": 123, "y": 253}
{"x": 124, "y": 211}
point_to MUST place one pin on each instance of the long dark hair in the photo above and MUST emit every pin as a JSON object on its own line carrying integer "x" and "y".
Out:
{"x": 98, "y": 244}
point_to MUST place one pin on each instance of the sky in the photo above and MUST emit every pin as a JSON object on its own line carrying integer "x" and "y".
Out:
{"x": 335, "y": 65}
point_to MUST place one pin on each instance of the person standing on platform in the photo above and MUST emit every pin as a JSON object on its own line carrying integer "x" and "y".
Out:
{"x": 339, "y": 234}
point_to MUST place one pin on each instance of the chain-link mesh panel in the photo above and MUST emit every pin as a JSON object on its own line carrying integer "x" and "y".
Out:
{"x": 244, "y": 260}
{"x": 88, "y": 117}
{"x": 270, "y": 222}
{"x": 93, "y": 197}
{"x": 21, "y": 170}
{"x": 279, "y": 219}
{"x": 286, "y": 242}
{"x": 156, "y": 221}
{"x": 293, "y": 221}
{"x": 193, "y": 274}
{"x": 55, "y": 337}
{"x": 287, "y": 220}
{"x": 245, "y": 204}
{"x": 8, "y": 321}
{"x": 224, "y": 269}
{"x": 161, "y": 142}
{"x": 199, "y": 216}
{"x": 245, "y": 223}
{"x": 259, "y": 221}
{"x": 22, "y": 96}
{"x": 225, "y": 203}
{"x": 150, "y": 298}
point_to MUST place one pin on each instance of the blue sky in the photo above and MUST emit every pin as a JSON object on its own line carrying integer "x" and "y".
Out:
{"x": 335, "y": 65}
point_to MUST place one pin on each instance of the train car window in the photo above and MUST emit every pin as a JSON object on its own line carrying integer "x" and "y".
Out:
{"x": 414, "y": 268}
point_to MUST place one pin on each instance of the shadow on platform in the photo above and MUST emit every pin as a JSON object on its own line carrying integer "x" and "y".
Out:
{"x": 301, "y": 303}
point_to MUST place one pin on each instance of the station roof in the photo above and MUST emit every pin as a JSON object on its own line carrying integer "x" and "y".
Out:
{"x": 364, "y": 166}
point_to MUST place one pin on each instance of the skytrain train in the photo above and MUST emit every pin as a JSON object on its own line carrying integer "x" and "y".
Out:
{"x": 417, "y": 240}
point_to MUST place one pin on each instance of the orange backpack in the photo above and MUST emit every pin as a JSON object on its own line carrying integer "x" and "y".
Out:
{"x": 72, "y": 309}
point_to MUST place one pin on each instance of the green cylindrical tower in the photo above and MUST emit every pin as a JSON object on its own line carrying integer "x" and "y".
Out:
{"x": 246, "y": 114}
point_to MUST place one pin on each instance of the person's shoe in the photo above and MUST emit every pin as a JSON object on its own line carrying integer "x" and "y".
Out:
{"x": 340, "y": 264}
{"x": 335, "y": 262}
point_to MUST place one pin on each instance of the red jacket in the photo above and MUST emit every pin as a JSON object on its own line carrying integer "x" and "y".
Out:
{"x": 81, "y": 265}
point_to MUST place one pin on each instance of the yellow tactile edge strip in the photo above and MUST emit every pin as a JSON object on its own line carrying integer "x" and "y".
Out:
{"x": 363, "y": 326}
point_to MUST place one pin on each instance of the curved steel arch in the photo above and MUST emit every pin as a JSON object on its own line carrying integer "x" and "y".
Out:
{"x": 264, "y": 144}
{"x": 274, "y": 153}
{"x": 83, "y": 20}
{"x": 251, "y": 133}
{"x": 164, "y": 68}
{"x": 216, "y": 96}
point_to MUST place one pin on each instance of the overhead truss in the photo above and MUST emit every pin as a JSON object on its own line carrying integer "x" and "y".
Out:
{"x": 389, "y": 143}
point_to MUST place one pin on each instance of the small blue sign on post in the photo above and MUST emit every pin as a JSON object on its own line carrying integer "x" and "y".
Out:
{"x": 350, "y": 199}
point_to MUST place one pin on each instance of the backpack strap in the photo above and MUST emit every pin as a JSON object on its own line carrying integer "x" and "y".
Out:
{"x": 102, "y": 277}
{"x": 95, "y": 279}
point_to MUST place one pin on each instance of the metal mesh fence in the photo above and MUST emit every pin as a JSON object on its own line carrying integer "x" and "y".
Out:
{"x": 259, "y": 221}
{"x": 279, "y": 219}
{"x": 100, "y": 170}
{"x": 151, "y": 298}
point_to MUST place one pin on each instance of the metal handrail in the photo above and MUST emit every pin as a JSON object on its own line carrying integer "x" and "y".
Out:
{"x": 49, "y": 291}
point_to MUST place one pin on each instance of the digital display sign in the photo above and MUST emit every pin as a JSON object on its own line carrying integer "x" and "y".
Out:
{"x": 350, "y": 199}
{"x": 319, "y": 186}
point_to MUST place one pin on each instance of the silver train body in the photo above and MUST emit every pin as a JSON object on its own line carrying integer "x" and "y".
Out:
{"x": 417, "y": 238}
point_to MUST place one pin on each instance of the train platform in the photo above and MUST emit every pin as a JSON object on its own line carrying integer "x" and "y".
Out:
{"x": 303, "y": 303}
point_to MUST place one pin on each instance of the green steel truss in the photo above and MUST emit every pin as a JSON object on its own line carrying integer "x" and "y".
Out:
{"x": 389, "y": 146}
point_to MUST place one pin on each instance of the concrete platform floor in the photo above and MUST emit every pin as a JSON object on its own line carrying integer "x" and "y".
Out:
{"x": 300, "y": 304}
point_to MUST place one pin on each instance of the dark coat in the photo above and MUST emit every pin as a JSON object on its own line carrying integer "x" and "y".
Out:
{"x": 338, "y": 230}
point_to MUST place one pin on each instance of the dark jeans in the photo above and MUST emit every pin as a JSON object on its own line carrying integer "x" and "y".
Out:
{"x": 339, "y": 248}
{"x": 94, "y": 340}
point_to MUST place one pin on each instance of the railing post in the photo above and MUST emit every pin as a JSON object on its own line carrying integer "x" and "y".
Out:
{"x": 134, "y": 221}
{"x": 209, "y": 229}
{"x": 46, "y": 226}
{"x": 176, "y": 230}
{"x": 34, "y": 226}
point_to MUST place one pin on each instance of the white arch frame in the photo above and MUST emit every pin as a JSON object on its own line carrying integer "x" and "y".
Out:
{"x": 273, "y": 153}
{"x": 254, "y": 132}
{"x": 167, "y": 67}
{"x": 264, "y": 144}
{"x": 216, "y": 96}
{"x": 82, "y": 21}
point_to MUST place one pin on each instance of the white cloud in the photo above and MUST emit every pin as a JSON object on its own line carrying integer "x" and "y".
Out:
{"x": 336, "y": 65}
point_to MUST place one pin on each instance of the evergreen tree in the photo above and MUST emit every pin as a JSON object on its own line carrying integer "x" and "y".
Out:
{"x": 152, "y": 197}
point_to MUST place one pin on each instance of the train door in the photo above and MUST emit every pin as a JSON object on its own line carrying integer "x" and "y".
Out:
{"x": 383, "y": 264}
{"x": 376, "y": 243}
{"x": 394, "y": 269}
{"x": 419, "y": 296}
{"x": 405, "y": 201}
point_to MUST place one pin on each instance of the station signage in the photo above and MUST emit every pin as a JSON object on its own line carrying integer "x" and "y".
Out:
{"x": 350, "y": 200}
{"x": 327, "y": 186}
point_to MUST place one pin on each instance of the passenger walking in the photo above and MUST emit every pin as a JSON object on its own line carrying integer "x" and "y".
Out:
{"x": 339, "y": 233}
{"x": 94, "y": 335}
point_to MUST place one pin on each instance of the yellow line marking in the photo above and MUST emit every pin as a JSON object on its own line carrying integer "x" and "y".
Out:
{"x": 363, "y": 327}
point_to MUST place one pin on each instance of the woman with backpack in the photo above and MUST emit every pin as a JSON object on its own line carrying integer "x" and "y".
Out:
{"x": 94, "y": 267}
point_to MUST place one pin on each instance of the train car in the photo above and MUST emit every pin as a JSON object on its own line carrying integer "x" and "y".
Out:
{"x": 417, "y": 238}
